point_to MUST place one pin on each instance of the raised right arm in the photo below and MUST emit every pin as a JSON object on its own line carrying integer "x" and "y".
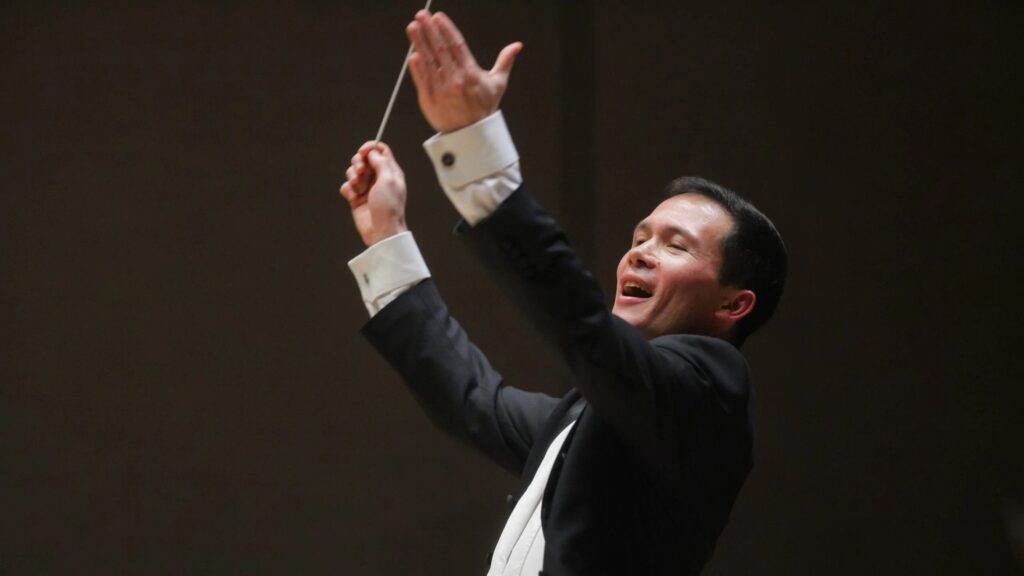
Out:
{"x": 410, "y": 325}
{"x": 453, "y": 381}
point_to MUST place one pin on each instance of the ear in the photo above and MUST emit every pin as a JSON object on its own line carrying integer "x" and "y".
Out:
{"x": 739, "y": 304}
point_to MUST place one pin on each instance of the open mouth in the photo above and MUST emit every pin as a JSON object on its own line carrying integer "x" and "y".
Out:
{"x": 634, "y": 290}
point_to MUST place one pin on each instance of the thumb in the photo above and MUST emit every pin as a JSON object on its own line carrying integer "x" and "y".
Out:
{"x": 378, "y": 161}
{"x": 507, "y": 57}
{"x": 384, "y": 164}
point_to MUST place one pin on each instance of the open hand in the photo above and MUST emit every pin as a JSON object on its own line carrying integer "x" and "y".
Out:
{"x": 375, "y": 191}
{"x": 453, "y": 90}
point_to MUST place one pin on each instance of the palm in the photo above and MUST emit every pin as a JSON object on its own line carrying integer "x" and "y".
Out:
{"x": 452, "y": 89}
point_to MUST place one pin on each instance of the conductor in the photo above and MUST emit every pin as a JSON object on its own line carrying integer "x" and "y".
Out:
{"x": 635, "y": 469}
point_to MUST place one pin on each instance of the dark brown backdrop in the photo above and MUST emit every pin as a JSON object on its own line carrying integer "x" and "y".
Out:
{"x": 183, "y": 387}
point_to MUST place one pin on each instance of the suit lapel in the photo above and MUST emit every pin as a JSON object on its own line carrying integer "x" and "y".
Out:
{"x": 569, "y": 409}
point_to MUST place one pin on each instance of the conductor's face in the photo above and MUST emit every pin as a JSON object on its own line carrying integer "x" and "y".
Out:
{"x": 667, "y": 283}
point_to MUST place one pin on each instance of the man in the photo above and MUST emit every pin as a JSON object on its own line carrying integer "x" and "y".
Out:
{"x": 635, "y": 470}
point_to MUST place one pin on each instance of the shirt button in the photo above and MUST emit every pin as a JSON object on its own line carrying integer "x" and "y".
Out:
{"x": 448, "y": 159}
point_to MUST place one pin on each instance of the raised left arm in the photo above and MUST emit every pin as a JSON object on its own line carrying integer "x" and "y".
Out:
{"x": 663, "y": 397}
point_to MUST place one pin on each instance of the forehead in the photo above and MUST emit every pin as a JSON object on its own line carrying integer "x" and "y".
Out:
{"x": 693, "y": 215}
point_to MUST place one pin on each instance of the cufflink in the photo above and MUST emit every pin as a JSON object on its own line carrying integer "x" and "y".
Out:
{"x": 448, "y": 159}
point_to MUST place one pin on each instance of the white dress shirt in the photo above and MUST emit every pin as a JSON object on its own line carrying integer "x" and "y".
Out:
{"x": 478, "y": 168}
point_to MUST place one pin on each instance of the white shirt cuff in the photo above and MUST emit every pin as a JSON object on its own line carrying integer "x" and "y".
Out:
{"x": 477, "y": 166}
{"x": 385, "y": 270}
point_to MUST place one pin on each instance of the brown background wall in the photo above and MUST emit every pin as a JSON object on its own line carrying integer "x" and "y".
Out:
{"x": 183, "y": 387}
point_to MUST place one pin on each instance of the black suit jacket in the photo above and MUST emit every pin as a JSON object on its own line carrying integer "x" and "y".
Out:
{"x": 646, "y": 480}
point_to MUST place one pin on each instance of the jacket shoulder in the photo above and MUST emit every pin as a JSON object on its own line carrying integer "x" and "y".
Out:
{"x": 716, "y": 365}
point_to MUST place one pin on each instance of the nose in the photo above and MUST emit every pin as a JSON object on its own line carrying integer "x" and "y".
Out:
{"x": 641, "y": 257}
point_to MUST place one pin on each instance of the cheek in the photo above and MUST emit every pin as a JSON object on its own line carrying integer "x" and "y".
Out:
{"x": 687, "y": 287}
{"x": 619, "y": 270}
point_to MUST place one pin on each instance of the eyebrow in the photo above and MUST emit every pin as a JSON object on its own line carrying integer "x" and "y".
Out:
{"x": 672, "y": 229}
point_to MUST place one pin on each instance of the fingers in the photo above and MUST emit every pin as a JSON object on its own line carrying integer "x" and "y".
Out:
{"x": 422, "y": 62}
{"x": 420, "y": 76}
{"x": 349, "y": 193}
{"x": 383, "y": 162}
{"x": 454, "y": 43}
{"x": 507, "y": 57}
{"x": 453, "y": 40}
{"x": 359, "y": 167}
{"x": 422, "y": 42}
{"x": 360, "y": 182}
{"x": 438, "y": 52}
{"x": 414, "y": 31}
{"x": 417, "y": 35}
{"x": 442, "y": 50}
{"x": 367, "y": 146}
{"x": 360, "y": 174}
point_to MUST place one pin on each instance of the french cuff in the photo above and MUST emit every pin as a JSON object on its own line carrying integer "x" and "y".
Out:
{"x": 385, "y": 270}
{"x": 477, "y": 166}
{"x": 473, "y": 152}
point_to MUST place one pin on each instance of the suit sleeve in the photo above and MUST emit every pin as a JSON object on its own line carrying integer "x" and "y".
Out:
{"x": 452, "y": 379}
{"x": 664, "y": 398}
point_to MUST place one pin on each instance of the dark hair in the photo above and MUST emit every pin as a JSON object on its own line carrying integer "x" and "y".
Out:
{"x": 753, "y": 255}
